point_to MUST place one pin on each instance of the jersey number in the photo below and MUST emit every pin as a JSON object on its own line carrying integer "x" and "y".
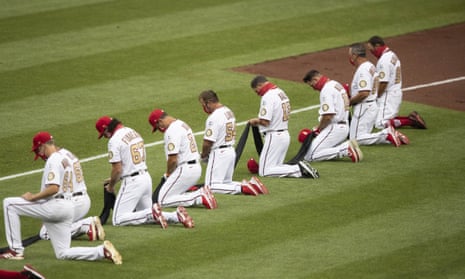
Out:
{"x": 138, "y": 153}
{"x": 286, "y": 110}
{"x": 230, "y": 132}
{"x": 374, "y": 91}
{"x": 192, "y": 143}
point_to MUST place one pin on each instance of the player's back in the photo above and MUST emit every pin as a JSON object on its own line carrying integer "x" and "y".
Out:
{"x": 127, "y": 146}
{"x": 77, "y": 180}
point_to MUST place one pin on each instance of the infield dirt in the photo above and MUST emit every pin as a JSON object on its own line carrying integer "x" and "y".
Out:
{"x": 427, "y": 56}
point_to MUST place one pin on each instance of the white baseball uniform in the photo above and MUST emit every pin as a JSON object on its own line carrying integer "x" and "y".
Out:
{"x": 133, "y": 205}
{"x": 389, "y": 70}
{"x": 364, "y": 114}
{"x": 180, "y": 141}
{"x": 275, "y": 107}
{"x": 331, "y": 142}
{"x": 77, "y": 193}
{"x": 220, "y": 128}
{"x": 56, "y": 212}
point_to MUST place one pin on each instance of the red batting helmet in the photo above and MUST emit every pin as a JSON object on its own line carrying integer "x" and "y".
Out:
{"x": 154, "y": 117}
{"x": 252, "y": 165}
{"x": 303, "y": 134}
{"x": 39, "y": 139}
{"x": 101, "y": 124}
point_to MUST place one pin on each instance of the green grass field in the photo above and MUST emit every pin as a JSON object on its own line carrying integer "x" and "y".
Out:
{"x": 398, "y": 214}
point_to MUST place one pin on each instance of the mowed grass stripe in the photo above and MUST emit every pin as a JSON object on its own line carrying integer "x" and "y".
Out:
{"x": 294, "y": 211}
{"x": 424, "y": 259}
{"x": 140, "y": 31}
{"x": 10, "y": 9}
{"x": 287, "y": 243}
{"x": 80, "y": 15}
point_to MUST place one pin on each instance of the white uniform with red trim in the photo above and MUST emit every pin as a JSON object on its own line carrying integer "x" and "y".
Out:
{"x": 220, "y": 128}
{"x": 331, "y": 142}
{"x": 55, "y": 212}
{"x": 133, "y": 205}
{"x": 364, "y": 114}
{"x": 275, "y": 107}
{"x": 389, "y": 70}
{"x": 180, "y": 141}
{"x": 77, "y": 193}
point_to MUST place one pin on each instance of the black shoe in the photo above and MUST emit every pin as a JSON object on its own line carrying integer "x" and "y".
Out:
{"x": 307, "y": 170}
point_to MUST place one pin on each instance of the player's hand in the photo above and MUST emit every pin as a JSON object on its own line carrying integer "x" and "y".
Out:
{"x": 254, "y": 121}
{"x": 315, "y": 131}
{"x": 28, "y": 196}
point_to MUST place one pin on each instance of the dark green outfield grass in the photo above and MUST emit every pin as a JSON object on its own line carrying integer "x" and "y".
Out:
{"x": 397, "y": 214}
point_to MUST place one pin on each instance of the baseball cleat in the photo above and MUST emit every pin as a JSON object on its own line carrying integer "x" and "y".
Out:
{"x": 391, "y": 137}
{"x": 92, "y": 232}
{"x": 258, "y": 185}
{"x": 208, "y": 200}
{"x": 307, "y": 170}
{"x": 184, "y": 217}
{"x": 418, "y": 121}
{"x": 158, "y": 216}
{"x": 354, "y": 151}
{"x": 12, "y": 255}
{"x": 248, "y": 189}
{"x": 110, "y": 252}
{"x": 402, "y": 138}
{"x": 31, "y": 273}
{"x": 100, "y": 232}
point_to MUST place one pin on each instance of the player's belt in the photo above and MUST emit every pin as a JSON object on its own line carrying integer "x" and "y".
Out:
{"x": 272, "y": 131}
{"x": 223, "y": 146}
{"x": 342, "y": 122}
{"x": 369, "y": 101}
{"x": 78, "y": 194}
{"x": 134, "y": 174}
{"x": 191, "y": 162}
{"x": 59, "y": 196}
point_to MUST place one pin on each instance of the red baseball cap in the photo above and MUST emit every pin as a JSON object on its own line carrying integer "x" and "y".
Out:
{"x": 154, "y": 117}
{"x": 39, "y": 139}
{"x": 303, "y": 134}
{"x": 252, "y": 165}
{"x": 101, "y": 124}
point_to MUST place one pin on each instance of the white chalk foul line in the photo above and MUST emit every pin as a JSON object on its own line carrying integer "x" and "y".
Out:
{"x": 415, "y": 87}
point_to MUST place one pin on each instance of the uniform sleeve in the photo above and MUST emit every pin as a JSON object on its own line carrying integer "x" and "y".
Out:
{"x": 383, "y": 70}
{"x": 266, "y": 108}
{"x": 365, "y": 81}
{"x": 172, "y": 142}
{"x": 211, "y": 130}
{"x": 54, "y": 172}
{"x": 327, "y": 101}
{"x": 114, "y": 155}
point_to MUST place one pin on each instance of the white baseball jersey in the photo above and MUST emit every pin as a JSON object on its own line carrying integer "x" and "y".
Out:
{"x": 75, "y": 190}
{"x": 56, "y": 213}
{"x": 329, "y": 144}
{"x": 220, "y": 128}
{"x": 77, "y": 183}
{"x": 364, "y": 80}
{"x": 275, "y": 107}
{"x": 133, "y": 205}
{"x": 365, "y": 113}
{"x": 180, "y": 141}
{"x": 334, "y": 100}
{"x": 389, "y": 70}
{"x": 127, "y": 146}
